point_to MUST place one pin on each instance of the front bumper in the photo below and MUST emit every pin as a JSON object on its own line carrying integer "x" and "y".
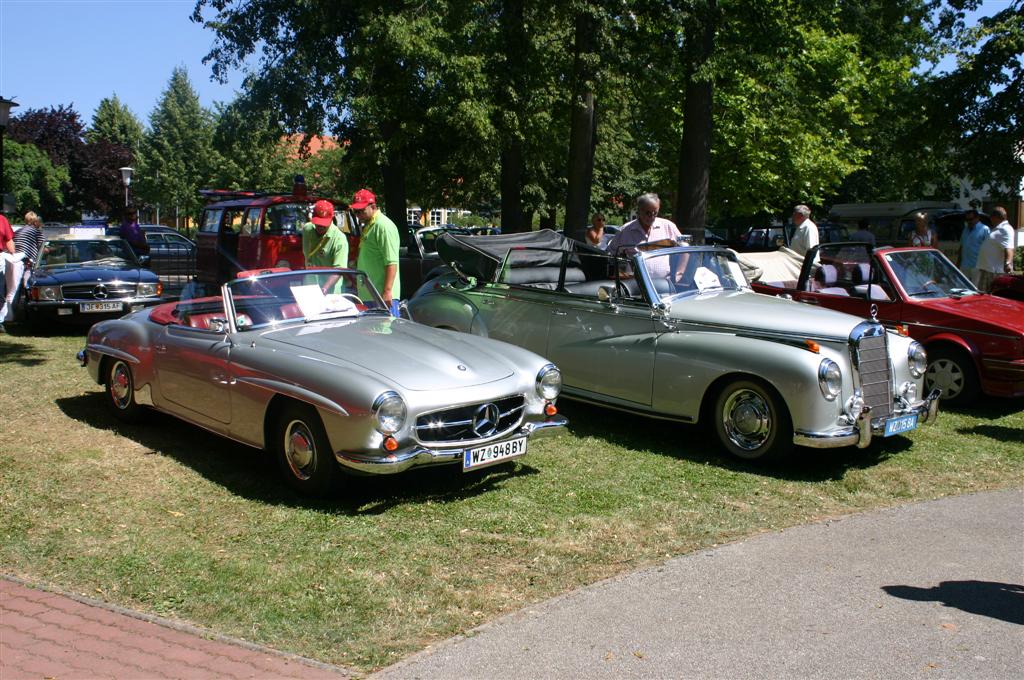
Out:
{"x": 866, "y": 428}
{"x": 419, "y": 455}
{"x": 71, "y": 312}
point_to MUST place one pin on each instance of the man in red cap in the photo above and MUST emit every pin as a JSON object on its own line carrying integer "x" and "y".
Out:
{"x": 378, "y": 248}
{"x": 323, "y": 244}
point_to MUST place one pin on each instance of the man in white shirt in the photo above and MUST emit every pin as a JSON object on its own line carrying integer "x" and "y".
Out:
{"x": 806, "y": 235}
{"x": 996, "y": 253}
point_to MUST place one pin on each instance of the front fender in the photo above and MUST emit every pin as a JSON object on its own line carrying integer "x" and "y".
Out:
{"x": 688, "y": 363}
{"x": 446, "y": 309}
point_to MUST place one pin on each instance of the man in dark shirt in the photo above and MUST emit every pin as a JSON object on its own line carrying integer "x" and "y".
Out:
{"x": 132, "y": 233}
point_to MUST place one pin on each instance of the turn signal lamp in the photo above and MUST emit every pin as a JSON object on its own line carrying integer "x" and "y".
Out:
{"x": 550, "y": 409}
{"x": 903, "y": 330}
{"x": 390, "y": 443}
{"x": 813, "y": 346}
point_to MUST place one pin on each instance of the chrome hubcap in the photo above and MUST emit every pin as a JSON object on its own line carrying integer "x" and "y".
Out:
{"x": 945, "y": 375}
{"x": 747, "y": 419}
{"x": 120, "y": 385}
{"x": 299, "y": 449}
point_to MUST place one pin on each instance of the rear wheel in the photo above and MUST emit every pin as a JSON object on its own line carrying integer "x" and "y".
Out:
{"x": 751, "y": 422}
{"x": 303, "y": 451}
{"x": 952, "y": 372}
{"x": 120, "y": 388}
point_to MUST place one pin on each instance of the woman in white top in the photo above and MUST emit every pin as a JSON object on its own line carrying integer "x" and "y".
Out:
{"x": 922, "y": 235}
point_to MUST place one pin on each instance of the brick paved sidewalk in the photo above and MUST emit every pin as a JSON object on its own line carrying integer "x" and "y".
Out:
{"x": 48, "y": 635}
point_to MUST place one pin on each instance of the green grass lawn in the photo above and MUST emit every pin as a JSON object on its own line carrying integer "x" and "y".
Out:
{"x": 166, "y": 518}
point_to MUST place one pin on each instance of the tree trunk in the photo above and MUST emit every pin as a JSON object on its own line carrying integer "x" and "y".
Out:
{"x": 394, "y": 200}
{"x": 547, "y": 220}
{"x": 695, "y": 147}
{"x": 513, "y": 164}
{"x": 583, "y": 129}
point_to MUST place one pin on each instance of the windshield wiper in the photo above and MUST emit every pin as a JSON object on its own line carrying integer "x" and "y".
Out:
{"x": 960, "y": 292}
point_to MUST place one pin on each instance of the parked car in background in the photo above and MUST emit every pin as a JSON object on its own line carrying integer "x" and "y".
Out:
{"x": 763, "y": 239}
{"x": 975, "y": 342}
{"x": 310, "y": 366}
{"x": 85, "y": 279}
{"x": 248, "y": 230}
{"x": 677, "y": 333}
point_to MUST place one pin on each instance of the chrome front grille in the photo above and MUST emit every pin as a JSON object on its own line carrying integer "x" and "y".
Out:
{"x": 870, "y": 350}
{"x": 112, "y": 290}
{"x": 472, "y": 421}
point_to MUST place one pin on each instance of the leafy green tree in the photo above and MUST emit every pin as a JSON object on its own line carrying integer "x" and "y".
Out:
{"x": 178, "y": 155}
{"x": 37, "y": 184}
{"x": 115, "y": 122}
{"x": 249, "y": 147}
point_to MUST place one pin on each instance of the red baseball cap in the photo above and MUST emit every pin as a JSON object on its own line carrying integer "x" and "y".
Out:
{"x": 323, "y": 213}
{"x": 363, "y": 198}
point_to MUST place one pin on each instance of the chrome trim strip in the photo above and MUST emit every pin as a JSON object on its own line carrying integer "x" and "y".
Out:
{"x": 110, "y": 351}
{"x": 296, "y": 392}
{"x": 626, "y": 409}
{"x": 960, "y": 331}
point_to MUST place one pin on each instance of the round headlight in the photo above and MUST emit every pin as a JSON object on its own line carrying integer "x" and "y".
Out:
{"x": 549, "y": 382}
{"x": 830, "y": 379}
{"x": 390, "y": 411}
{"x": 917, "y": 359}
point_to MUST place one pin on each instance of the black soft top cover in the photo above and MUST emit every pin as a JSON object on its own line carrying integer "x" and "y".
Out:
{"x": 481, "y": 256}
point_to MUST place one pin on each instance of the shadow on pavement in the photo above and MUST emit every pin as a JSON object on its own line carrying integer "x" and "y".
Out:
{"x": 697, "y": 443}
{"x": 1003, "y": 601}
{"x": 250, "y": 473}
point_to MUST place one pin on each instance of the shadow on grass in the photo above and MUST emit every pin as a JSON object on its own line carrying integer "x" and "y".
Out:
{"x": 1000, "y": 433}
{"x": 697, "y": 443}
{"x": 45, "y": 330}
{"x": 988, "y": 408}
{"x": 13, "y": 352}
{"x": 252, "y": 474}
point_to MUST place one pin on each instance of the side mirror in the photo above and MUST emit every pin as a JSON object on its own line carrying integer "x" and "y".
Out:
{"x": 218, "y": 325}
{"x": 144, "y": 260}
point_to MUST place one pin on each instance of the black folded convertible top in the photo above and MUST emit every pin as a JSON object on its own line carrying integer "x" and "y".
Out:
{"x": 481, "y": 256}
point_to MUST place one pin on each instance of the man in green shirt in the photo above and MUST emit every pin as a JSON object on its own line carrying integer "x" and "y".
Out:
{"x": 378, "y": 248}
{"x": 323, "y": 244}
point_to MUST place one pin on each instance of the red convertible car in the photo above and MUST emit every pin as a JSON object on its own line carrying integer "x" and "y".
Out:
{"x": 975, "y": 342}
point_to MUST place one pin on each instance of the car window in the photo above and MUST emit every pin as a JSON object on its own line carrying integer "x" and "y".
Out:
{"x": 928, "y": 274}
{"x": 211, "y": 221}
{"x": 251, "y": 225}
{"x": 154, "y": 237}
{"x": 683, "y": 272}
{"x": 177, "y": 239}
{"x": 285, "y": 217}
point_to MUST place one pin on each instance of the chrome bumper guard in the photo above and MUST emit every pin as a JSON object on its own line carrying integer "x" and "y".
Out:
{"x": 861, "y": 433}
{"x": 399, "y": 461}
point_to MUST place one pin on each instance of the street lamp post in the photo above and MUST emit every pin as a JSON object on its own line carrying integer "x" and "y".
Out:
{"x": 5, "y": 114}
{"x": 126, "y": 177}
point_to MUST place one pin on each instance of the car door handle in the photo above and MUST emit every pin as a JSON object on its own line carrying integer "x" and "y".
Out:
{"x": 487, "y": 301}
{"x": 160, "y": 348}
{"x": 558, "y": 312}
{"x": 810, "y": 301}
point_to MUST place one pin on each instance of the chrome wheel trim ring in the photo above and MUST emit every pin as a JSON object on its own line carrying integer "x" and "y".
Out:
{"x": 747, "y": 419}
{"x": 300, "y": 449}
{"x": 121, "y": 385}
{"x": 945, "y": 374}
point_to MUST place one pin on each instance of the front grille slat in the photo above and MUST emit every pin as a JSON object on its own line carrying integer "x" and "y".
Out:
{"x": 87, "y": 291}
{"x": 872, "y": 358}
{"x": 455, "y": 425}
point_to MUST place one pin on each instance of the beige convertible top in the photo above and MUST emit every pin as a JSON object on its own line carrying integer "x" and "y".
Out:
{"x": 777, "y": 265}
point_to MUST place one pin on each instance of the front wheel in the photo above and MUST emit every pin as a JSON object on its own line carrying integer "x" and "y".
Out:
{"x": 751, "y": 422}
{"x": 120, "y": 388}
{"x": 303, "y": 451}
{"x": 952, "y": 372}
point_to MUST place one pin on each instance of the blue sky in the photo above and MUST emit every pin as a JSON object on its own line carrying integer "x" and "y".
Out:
{"x": 79, "y": 51}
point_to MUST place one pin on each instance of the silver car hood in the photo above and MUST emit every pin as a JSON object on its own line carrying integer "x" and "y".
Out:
{"x": 747, "y": 310}
{"x": 414, "y": 356}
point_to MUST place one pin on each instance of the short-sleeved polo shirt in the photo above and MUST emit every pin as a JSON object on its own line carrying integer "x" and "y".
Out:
{"x": 329, "y": 250}
{"x": 378, "y": 247}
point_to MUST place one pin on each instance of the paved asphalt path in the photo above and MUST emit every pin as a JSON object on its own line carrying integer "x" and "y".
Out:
{"x": 930, "y": 590}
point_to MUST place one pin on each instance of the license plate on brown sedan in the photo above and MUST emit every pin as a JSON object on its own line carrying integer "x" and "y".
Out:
{"x": 492, "y": 454}
{"x": 99, "y": 307}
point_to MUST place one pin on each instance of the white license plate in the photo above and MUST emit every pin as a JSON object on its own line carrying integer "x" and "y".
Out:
{"x": 99, "y": 307}
{"x": 900, "y": 424}
{"x": 498, "y": 452}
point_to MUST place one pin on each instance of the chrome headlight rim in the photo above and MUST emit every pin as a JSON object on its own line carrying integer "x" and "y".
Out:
{"x": 549, "y": 382}
{"x": 830, "y": 379}
{"x": 390, "y": 411}
{"x": 917, "y": 359}
{"x": 148, "y": 289}
{"x": 46, "y": 293}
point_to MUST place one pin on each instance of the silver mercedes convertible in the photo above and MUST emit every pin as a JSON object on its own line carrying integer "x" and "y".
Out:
{"x": 311, "y": 366}
{"x": 677, "y": 333}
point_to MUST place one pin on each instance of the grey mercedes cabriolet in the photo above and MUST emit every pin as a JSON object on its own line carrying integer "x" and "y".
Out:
{"x": 311, "y": 366}
{"x": 677, "y": 333}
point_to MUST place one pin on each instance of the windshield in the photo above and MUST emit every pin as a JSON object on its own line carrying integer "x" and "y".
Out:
{"x": 301, "y": 297}
{"x": 83, "y": 253}
{"x": 680, "y": 272}
{"x": 928, "y": 274}
{"x": 287, "y": 217}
